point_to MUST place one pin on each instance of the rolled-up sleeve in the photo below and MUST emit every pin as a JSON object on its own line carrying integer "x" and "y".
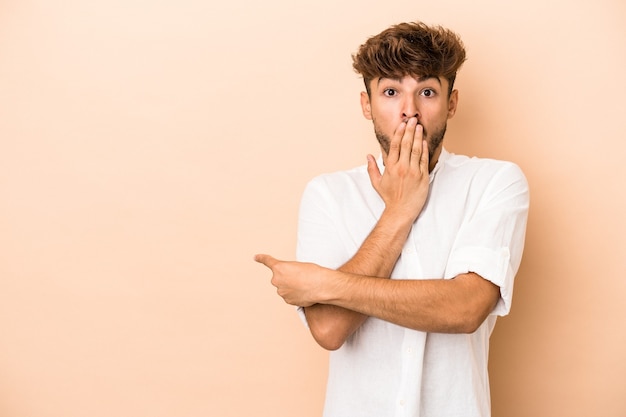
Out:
{"x": 490, "y": 243}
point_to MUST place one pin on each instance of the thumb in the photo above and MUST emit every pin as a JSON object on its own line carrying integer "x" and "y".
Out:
{"x": 373, "y": 171}
{"x": 266, "y": 260}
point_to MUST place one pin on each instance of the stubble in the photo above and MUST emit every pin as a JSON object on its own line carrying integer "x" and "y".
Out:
{"x": 433, "y": 141}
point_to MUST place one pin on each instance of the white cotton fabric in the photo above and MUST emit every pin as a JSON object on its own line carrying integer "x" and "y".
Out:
{"x": 474, "y": 221}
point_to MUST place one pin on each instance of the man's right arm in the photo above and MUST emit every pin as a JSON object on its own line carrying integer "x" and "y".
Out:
{"x": 404, "y": 188}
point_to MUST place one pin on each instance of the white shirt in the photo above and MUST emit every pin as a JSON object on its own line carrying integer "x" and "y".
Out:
{"x": 474, "y": 221}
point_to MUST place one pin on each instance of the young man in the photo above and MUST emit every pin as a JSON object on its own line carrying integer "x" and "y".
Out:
{"x": 402, "y": 274}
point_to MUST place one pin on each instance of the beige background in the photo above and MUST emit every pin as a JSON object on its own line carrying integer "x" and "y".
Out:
{"x": 149, "y": 148}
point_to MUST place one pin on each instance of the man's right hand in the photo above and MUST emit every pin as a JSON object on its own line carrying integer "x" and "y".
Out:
{"x": 404, "y": 184}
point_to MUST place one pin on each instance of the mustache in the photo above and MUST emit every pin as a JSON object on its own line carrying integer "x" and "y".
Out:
{"x": 433, "y": 142}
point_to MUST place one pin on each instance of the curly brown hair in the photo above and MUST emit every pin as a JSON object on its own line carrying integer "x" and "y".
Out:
{"x": 414, "y": 49}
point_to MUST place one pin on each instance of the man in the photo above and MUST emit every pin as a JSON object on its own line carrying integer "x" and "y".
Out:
{"x": 403, "y": 273}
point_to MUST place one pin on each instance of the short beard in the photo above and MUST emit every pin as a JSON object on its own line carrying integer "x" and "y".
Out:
{"x": 433, "y": 142}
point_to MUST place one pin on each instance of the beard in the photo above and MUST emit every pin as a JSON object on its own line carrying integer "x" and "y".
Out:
{"x": 433, "y": 140}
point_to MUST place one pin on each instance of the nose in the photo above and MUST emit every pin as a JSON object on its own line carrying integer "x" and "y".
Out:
{"x": 409, "y": 109}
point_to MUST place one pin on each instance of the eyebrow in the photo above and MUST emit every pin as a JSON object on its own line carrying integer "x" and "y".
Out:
{"x": 429, "y": 77}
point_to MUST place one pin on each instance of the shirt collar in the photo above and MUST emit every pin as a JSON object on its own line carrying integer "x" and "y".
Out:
{"x": 443, "y": 156}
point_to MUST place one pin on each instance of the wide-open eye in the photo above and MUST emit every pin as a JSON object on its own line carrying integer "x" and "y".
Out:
{"x": 428, "y": 92}
{"x": 389, "y": 92}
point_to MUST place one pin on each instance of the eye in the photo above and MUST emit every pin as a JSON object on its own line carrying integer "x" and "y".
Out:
{"x": 428, "y": 92}
{"x": 390, "y": 92}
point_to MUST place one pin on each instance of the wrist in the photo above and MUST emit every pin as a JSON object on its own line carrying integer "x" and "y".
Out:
{"x": 328, "y": 286}
{"x": 392, "y": 230}
{"x": 397, "y": 219}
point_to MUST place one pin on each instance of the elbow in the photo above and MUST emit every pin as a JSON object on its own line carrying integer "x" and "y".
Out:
{"x": 460, "y": 326}
{"x": 327, "y": 338}
{"x": 469, "y": 326}
{"x": 470, "y": 315}
{"x": 329, "y": 345}
{"x": 328, "y": 330}
{"x": 470, "y": 322}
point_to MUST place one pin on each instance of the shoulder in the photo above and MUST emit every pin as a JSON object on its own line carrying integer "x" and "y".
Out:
{"x": 485, "y": 170}
{"x": 476, "y": 164}
{"x": 340, "y": 182}
{"x": 481, "y": 179}
{"x": 347, "y": 191}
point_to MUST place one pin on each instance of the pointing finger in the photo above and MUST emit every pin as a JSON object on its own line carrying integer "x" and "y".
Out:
{"x": 266, "y": 260}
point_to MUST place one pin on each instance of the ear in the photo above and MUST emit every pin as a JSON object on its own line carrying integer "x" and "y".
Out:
{"x": 452, "y": 103}
{"x": 366, "y": 106}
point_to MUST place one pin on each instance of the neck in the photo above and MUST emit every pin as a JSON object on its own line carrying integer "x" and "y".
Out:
{"x": 433, "y": 161}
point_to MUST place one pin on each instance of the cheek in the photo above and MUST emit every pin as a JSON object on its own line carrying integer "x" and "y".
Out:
{"x": 387, "y": 118}
{"x": 383, "y": 125}
{"x": 436, "y": 116}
